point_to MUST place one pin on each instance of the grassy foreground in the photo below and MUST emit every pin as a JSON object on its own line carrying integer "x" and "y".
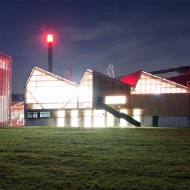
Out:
{"x": 102, "y": 158}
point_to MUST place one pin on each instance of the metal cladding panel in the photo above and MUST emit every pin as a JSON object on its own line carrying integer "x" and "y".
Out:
{"x": 5, "y": 88}
{"x": 161, "y": 104}
{"x": 3, "y": 82}
{"x": 107, "y": 86}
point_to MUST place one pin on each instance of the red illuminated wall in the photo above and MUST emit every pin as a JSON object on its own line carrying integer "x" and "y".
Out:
{"x": 5, "y": 88}
{"x": 3, "y": 82}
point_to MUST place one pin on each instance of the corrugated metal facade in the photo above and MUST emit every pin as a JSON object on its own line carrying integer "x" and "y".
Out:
{"x": 161, "y": 104}
{"x": 5, "y": 88}
{"x": 106, "y": 86}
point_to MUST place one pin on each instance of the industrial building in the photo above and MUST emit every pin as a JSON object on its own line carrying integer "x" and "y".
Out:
{"x": 139, "y": 99}
{"x": 17, "y": 113}
{"x": 5, "y": 88}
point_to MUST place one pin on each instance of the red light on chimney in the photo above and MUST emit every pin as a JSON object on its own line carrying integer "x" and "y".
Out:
{"x": 50, "y": 38}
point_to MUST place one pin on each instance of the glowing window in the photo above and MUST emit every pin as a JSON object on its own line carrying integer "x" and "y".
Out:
{"x": 123, "y": 122}
{"x": 115, "y": 99}
{"x": 137, "y": 114}
{"x": 110, "y": 119}
{"x": 44, "y": 114}
{"x": 85, "y": 90}
{"x": 87, "y": 118}
{"x": 74, "y": 118}
{"x": 149, "y": 84}
{"x": 99, "y": 118}
{"x": 60, "y": 113}
{"x": 32, "y": 115}
{"x": 60, "y": 122}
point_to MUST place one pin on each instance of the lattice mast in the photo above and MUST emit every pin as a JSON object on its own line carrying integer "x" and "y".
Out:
{"x": 109, "y": 71}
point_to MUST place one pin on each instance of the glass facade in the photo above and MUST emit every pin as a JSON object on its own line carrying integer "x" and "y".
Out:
{"x": 44, "y": 114}
{"x": 85, "y": 90}
{"x": 149, "y": 84}
{"x": 47, "y": 91}
{"x": 32, "y": 114}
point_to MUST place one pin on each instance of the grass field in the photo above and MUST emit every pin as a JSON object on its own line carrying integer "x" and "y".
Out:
{"x": 102, "y": 158}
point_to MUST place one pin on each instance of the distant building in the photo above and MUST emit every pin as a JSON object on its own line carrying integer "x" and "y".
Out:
{"x": 5, "y": 88}
{"x": 101, "y": 101}
{"x": 17, "y": 113}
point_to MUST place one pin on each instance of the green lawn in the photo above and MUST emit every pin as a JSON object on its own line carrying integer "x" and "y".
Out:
{"x": 102, "y": 158}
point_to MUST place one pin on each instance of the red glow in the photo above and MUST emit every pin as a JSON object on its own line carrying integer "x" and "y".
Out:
{"x": 131, "y": 79}
{"x": 50, "y": 38}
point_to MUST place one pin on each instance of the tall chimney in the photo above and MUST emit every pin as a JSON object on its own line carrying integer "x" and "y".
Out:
{"x": 50, "y": 43}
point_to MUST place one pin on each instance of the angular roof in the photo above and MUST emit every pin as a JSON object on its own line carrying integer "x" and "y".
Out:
{"x": 103, "y": 75}
{"x": 181, "y": 79}
{"x": 131, "y": 79}
{"x": 44, "y": 90}
{"x": 37, "y": 69}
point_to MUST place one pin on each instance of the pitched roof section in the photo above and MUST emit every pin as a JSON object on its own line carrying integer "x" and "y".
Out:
{"x": 140, "y": 79}
{"x": 44, "y": 90}
{"x": 39, "y": 70}
{"x": 182, "y": 79}
{"x": 152, "y": 84}
{"x": 131, "y": 79}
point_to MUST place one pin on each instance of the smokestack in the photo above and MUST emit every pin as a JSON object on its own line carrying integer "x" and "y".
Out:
{"x": 50, "y": 43}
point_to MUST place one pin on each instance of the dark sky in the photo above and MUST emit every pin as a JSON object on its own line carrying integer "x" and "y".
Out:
{"x": 130, "y": 35}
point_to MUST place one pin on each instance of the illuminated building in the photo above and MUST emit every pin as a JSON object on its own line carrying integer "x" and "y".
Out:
{"x": 160, "y": 102}
{"x": 5, "y": 88}
{"x": 102, "y": 101}
{"x": 17, "y": 113}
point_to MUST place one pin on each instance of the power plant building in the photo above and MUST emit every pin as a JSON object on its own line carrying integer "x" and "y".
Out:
{"x": 139, "y": 99}
{"x": 5, "y": 88}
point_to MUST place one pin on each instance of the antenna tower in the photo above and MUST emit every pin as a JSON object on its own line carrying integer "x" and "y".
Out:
{"x": 109, "y": 71}
{"x": 69, "y": 74}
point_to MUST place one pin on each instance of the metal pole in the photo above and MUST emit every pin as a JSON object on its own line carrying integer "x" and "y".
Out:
{"x": 50, "y": 56}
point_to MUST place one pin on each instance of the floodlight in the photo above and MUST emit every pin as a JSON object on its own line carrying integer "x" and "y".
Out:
{"x": 50, "y": 38}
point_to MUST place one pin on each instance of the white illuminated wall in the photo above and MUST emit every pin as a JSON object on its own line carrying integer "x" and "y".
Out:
{"x": 60, "y": 118}
{"x": 87, "y": 118}
{"x": 99, "y": 118}
{"x": 151, "y": 84}
{"x": 47, "y": 91}
{"x": 115, "y": 99}
{"x": 85, "y": 90}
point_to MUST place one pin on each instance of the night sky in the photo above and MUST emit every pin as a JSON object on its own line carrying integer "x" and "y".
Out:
{"x": 130, "y": 35}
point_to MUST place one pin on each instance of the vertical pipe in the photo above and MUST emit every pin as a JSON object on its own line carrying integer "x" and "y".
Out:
{"x": 50, "y": 57}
